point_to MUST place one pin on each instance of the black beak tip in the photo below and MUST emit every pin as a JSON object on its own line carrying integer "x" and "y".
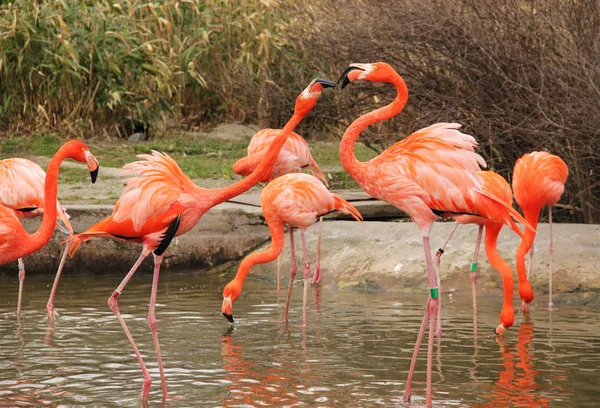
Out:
{"x": 228, "y": 317}
{"x": 94, "y": 174}
{"x": 325, "y": 83}
{"x": 495, "y": 332}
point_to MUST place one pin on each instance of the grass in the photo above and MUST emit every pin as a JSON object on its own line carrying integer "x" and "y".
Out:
{"x": 199, "y": 156}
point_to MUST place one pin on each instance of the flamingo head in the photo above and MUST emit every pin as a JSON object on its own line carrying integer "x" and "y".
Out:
{"x": 230, "y": 294}
{"x": 77, "y": 150}
{"x": 375, "y": 72}
{"x": 309, "y": 97}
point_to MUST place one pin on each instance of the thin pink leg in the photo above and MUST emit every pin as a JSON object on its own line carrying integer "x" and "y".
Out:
{"x": 50, "y": 304}
{"x": 474, "y": 280}
{"x": 413, "y": 363}
{"x": 278, "y": 277}
{"x": 430, "y": 313}
{"x": 550, "y": 253}
{"x": 317, "y": 275}
{"x": 437, "y": 260}
{"x": 152, "y": 323}
{"x": 293, "y": 271}
{"x": 21, "y": 280}
{"x": 114, "y": 306}
{"x": 306, "y": 276}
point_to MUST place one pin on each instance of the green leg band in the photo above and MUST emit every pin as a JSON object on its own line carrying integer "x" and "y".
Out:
{"x": 435, "y": 294}
{"x": 474, "y": 267}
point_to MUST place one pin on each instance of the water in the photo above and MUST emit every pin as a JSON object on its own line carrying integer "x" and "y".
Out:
{"x": 355, "y": 351}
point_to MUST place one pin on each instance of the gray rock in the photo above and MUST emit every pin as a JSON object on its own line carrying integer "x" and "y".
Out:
{"x": 137, "y": 137}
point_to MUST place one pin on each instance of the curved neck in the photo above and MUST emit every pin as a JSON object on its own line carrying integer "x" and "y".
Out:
{"x": 531, "y": 215}
{"x": 44, "y": 233}
{"x": 347, "y": 157}
{"x": 277, "y": 238}
{"x": 491, "y": 251}
{"x": 263, "y": 168}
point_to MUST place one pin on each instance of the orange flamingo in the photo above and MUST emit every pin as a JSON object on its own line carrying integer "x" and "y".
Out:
{"x": 20, "y": 196}
{"x": 496, "y": 185}
{"x": 22, "y": 190}
{"x": 161, "y": 202}
{"x": 538, "y": 181}
{"x": 296, "y": 200}
{"x": 431, "y": 173}
{"x": 293, "y": 158}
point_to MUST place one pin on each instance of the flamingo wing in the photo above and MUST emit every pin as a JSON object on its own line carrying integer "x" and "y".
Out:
{"x": 22, "y": 187}
{"x": 157, "y": 187}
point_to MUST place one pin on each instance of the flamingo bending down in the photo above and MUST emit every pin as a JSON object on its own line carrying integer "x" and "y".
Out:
{"x": 430, "y": 173}
{"x": 496, "y": 185}
{"x": 296, "y": 200}
{"x": 160, "y": 202}
{"x": 19, "y": 183}
{"x": 293, "y": 158}
{"x": 22, "y": 190}
{"x": 538, "y": 181}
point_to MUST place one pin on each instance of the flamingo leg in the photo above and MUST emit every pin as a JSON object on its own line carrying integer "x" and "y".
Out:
{"x": 114, "y": 306}
{"x": 436, "y": 262}
{"x": 278, "y": 277}
{"x": 50, "y": 304}
{"x": 430, "y": 315}
{"x": 306, "y": 276}
{"x": 152, "y": 322}
{"x": 293, "y": 271}
{"x": 21, "y": 280}
{"x": 413, "y": 363}
{"x": 317, "y": 275}
{"x": 474, "y": 281}
{"x": 550, "y": 253}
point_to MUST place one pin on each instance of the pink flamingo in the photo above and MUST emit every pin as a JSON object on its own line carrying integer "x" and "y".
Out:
{"x": 538, "y": 181}
{"x": 293, "y": 158}
{"x": 161, "y": 202}
{"x": 20, "y": 196}
{"x": 296, "y": 200}
{"x": 496, "y": 185}
{"x": 22, "y": 190}
{"x": 430, "y": 173}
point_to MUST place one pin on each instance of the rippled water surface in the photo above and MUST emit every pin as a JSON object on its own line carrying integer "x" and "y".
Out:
{"x": 355, "y": 351}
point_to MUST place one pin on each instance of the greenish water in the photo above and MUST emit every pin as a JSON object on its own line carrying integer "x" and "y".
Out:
{"x": 355, "y": 351}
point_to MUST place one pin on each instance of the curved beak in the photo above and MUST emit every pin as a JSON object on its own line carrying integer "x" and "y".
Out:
{"x": 94, "y": 174}
{"x": 226, "y": 308}
{"x": 344, "y": 77}
{"x": 325, "y": 83}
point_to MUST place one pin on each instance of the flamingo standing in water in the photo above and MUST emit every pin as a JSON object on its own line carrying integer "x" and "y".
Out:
{"x": 496, "y": 185}
{"x": 22, "y": 190}
{"x": 20, "y": 196}
{"x": 293, "y": 158}
{"x": 538, "y": 181}
{"x": 160, "y": 202}
{"x": 294, "y": 199}
{"x": 433, "y": 172}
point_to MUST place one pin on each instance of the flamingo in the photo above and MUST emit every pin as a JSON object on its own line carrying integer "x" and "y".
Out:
{"x": 494, "y": 184}
{"x": 538, "y": 181}
{"x": 431, "y": 173}
{"x": 20, "y": 196}
{"x": 22, "y": 190}
{"x": 160, "y": 202}
{"x": 294, "y": 199}
{"x": 293, "y": 158}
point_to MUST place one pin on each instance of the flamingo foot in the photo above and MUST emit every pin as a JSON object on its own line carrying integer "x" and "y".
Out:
{"x": 317, "y": 275}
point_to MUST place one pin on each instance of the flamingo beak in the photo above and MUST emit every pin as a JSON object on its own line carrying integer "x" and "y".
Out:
{"x": 94, "y": 174}
{"x": 325, "y": 83}
{"x": 226, "y": 309}
{"x": 344, "y": 77}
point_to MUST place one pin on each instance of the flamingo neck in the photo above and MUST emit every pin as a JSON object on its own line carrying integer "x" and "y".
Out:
{"x": 531, "y": 215}
{"x": 347, "y": 157}
{"x": 265, "y": 165}
{"x": 277, "y": 238}
{"x": 492, "y": 231}
{"x": 44, "y": 233}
